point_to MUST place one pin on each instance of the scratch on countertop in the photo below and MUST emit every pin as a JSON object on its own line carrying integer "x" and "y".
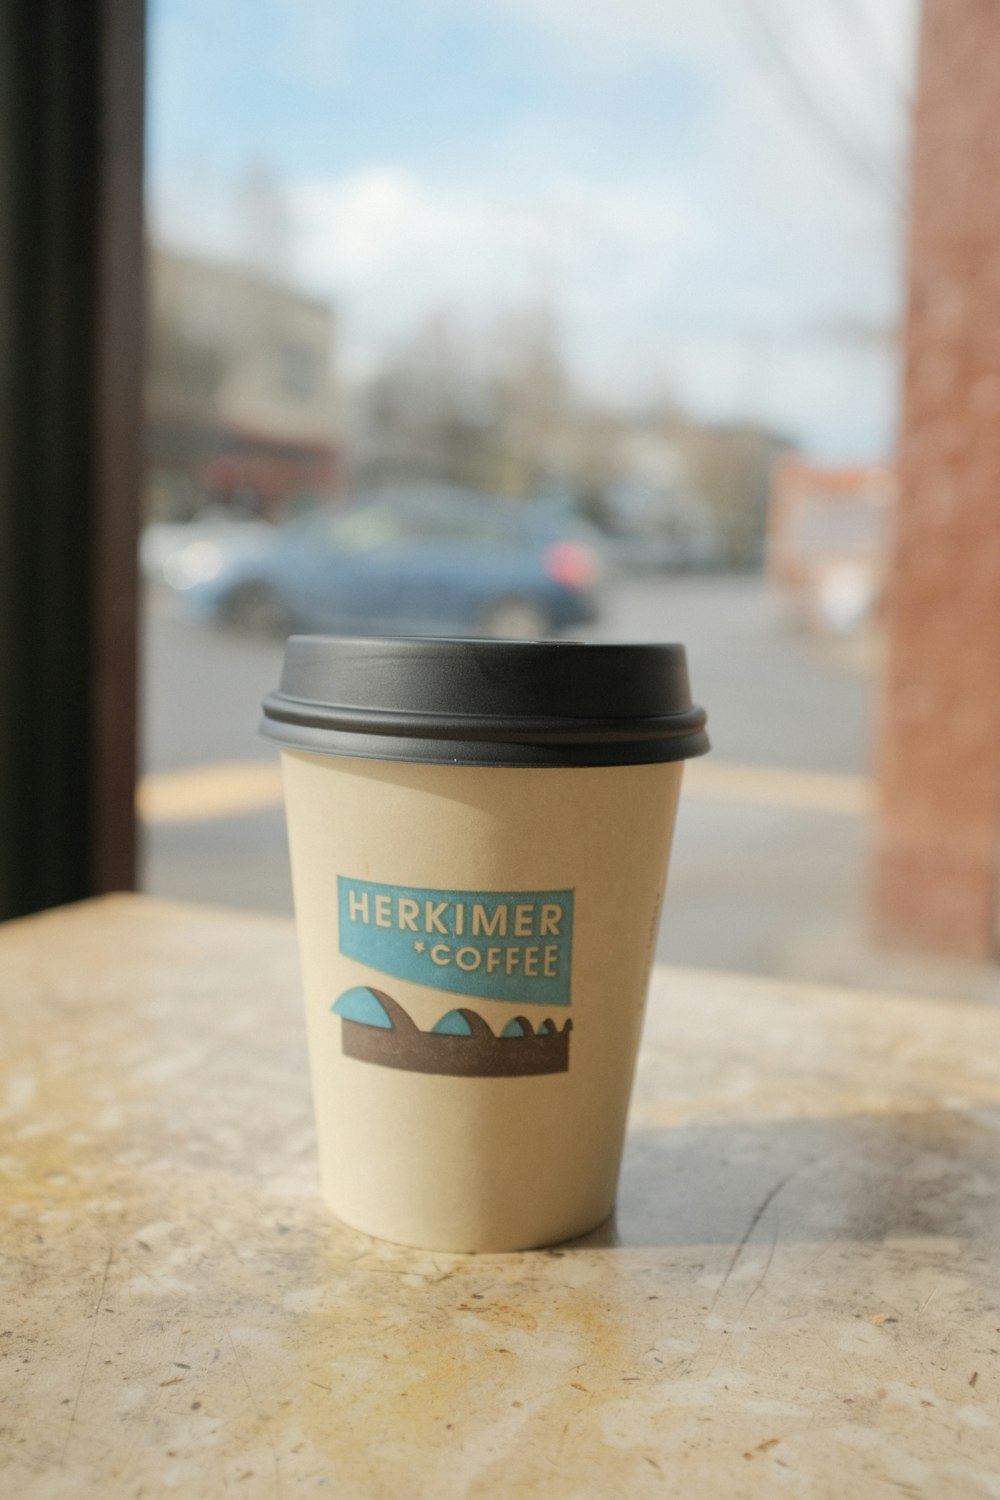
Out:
{"x": 90, "y": 1350}
{"x": 755, "y": 1219}
{"x": 239, "y": 1363}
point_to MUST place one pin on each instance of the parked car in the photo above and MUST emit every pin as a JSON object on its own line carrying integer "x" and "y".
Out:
{"x": 429, "y": 560}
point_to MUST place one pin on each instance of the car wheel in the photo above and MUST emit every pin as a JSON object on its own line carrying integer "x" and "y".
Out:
{"x": 257, "y": 608}
{"x": 515, "y": 620}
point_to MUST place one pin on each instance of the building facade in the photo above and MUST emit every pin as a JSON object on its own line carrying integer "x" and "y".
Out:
{"x": 241, "y": 397}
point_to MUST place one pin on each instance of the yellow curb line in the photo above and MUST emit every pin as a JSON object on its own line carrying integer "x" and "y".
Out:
{"x": 199, "y": 794}
{"x": 228, "y": 789}
{"x": 774, "y": 786}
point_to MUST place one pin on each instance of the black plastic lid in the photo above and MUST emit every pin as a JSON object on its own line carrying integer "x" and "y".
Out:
{"x": 485, "y": 702}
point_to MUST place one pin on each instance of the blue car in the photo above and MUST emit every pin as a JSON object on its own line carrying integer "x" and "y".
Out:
{"x": 430, "y": 561}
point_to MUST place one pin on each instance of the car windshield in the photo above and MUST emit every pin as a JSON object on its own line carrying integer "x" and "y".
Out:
{"x": 371, "y": 524}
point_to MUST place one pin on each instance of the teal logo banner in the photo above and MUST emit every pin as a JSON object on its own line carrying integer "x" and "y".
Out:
{"x": 498, "y": 945}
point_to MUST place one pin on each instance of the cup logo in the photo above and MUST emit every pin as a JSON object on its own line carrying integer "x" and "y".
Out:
{"x": 498, "y": 945}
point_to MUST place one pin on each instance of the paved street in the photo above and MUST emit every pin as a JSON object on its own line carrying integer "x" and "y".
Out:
{"x": 775, "y": 697}
{"x": 772, "y": 698}
{"x": 768, "y": 869}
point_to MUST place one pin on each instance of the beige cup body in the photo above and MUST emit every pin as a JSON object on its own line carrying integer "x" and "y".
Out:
{"x": 484, "y": 1162}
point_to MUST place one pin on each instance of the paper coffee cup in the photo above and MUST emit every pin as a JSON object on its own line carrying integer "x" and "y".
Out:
{"x": 479, "y": 836}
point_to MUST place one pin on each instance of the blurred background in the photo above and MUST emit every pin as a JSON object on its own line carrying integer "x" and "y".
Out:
{"x": 527, "y": 319}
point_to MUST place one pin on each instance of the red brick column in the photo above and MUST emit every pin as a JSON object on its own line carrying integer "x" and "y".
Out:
{"x": 937, "y": 849}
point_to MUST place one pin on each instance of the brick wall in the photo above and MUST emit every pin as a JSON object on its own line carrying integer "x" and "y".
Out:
{"x": 937, "y": 845}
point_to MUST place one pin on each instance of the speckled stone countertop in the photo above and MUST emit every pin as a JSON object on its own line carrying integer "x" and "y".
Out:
{"x": 800, "y": 1296}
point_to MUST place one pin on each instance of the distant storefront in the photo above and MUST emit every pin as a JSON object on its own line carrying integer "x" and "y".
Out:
{"x": 827, "y": 541}
{"x": 242, "y": 408}
{"x": 248, "y": 472}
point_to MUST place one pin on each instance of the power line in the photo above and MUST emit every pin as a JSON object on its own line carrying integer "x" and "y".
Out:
{"x": 853, "y": 152}
{"x": 856, "y": 18}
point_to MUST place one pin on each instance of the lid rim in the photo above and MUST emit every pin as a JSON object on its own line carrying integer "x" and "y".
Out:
{"x": 282, "y": 709}
{"x": 487, "y": 754}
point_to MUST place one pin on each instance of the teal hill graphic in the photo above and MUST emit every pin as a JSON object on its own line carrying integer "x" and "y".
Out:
{"x": 376, "y": 1029}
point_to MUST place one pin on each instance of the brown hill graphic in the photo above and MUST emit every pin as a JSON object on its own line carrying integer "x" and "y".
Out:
{"x": 479, "y": 1053}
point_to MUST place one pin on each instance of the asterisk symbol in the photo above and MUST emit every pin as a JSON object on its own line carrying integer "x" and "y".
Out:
{"x": 418, "y": 945}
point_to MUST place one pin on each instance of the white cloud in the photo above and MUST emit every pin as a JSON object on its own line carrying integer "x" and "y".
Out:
{"x": 389, "y": 245}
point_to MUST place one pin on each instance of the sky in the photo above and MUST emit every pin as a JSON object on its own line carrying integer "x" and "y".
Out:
{"x": 708, "y": 195}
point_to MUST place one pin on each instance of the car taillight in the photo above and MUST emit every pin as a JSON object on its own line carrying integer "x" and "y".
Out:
{"x": 572, "y": 565}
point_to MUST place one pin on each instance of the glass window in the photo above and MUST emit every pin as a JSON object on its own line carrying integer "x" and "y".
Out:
{"x": 534, "y": 303}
